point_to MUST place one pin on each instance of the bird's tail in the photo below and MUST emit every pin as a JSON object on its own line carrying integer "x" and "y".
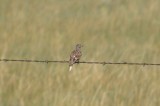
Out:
{"x": 70, "y": 68}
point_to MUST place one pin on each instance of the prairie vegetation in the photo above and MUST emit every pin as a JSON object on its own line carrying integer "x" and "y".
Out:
{"x": 110, "y": 30}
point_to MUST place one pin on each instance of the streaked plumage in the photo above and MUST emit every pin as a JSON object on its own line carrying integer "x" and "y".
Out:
{"x": 75, "y": 56}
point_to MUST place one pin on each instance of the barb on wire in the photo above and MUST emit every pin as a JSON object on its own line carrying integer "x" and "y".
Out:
{"x": 84, "y": 62}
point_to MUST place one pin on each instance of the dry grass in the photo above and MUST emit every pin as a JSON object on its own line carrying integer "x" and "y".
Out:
{"x": 116, "y": 31}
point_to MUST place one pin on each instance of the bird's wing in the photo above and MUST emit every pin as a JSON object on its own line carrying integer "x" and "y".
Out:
{"x": 72, "y": 58}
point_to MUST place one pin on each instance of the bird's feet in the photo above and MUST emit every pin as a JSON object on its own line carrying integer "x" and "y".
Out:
{"x": 77, "y": 61}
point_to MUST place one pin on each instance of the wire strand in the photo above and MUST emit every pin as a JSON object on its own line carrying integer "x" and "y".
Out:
{"x": 82, "y": 62}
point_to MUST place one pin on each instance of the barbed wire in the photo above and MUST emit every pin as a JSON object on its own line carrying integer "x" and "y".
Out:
{"x": 84, "y": 62}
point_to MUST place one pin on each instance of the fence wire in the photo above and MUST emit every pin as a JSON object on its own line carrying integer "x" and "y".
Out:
{"x": 81, "y": 62}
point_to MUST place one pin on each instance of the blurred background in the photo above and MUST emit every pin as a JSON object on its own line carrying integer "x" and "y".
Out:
{"x": 110, "y": 30}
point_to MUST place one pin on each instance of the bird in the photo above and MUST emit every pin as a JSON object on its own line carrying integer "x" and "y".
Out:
{"x": 75, "y": 56}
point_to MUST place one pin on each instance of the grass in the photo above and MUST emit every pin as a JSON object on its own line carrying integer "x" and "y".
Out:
{"x": 118, "y": 31}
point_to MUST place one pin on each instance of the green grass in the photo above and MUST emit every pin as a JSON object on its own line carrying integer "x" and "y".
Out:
{"x": 112, "y": 31}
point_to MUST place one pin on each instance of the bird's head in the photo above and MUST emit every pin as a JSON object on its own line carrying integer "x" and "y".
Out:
{"x": 78, "y": 46}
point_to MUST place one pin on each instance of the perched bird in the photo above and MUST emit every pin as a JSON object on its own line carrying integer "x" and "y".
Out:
{"x": 75, "y": 56}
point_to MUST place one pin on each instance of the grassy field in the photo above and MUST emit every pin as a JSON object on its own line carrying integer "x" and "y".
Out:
{"x": 110, "y": 30}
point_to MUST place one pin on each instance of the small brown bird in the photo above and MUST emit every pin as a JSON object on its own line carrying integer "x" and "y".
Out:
{"x": 75, "y": 56}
